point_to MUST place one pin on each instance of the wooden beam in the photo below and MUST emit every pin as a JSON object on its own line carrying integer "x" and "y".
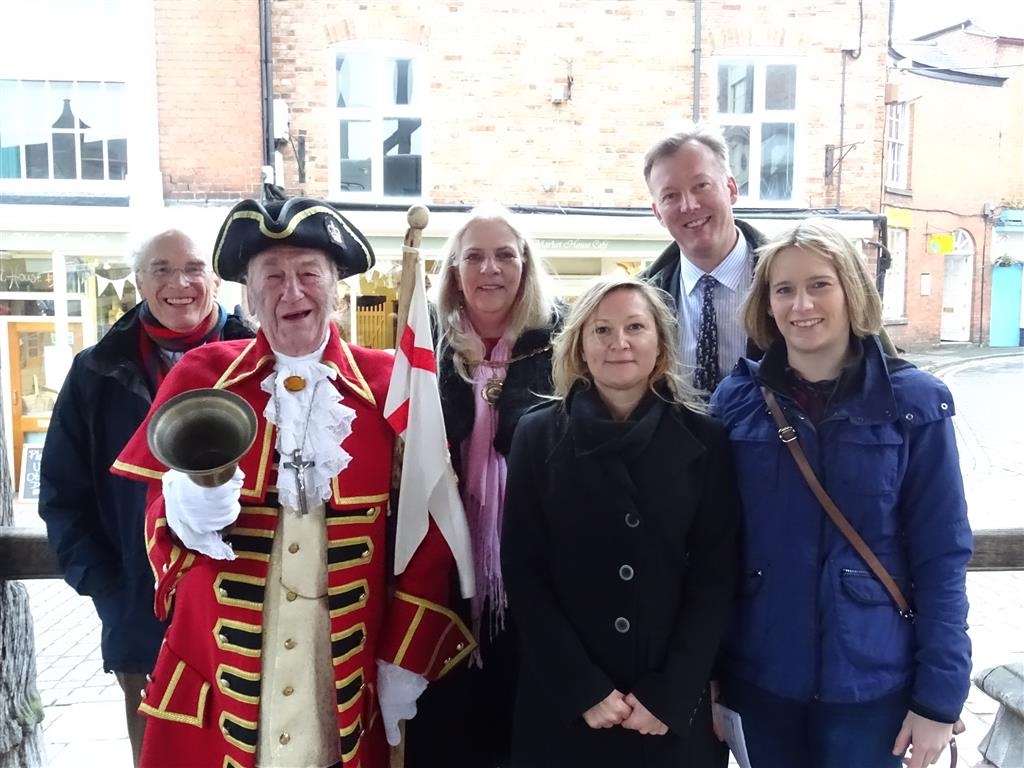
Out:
{"x": 998, "y": 549}
{"x": 25, "y": 553}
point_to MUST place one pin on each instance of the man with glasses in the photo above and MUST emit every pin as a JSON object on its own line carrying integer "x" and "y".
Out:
{"x": 94, "y": 519}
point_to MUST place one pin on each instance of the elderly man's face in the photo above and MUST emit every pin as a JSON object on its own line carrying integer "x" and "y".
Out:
{"x": 291, "y": 291}
{"x": 177, "y": 283}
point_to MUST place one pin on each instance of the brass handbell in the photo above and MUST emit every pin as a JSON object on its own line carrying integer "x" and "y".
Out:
{"x": 203, "y": 433}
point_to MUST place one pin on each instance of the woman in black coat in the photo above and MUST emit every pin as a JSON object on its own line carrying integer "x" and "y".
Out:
{"x": 619, "y": 548}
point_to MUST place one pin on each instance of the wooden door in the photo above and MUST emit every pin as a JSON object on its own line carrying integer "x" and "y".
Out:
{"x": 32, "y": 395}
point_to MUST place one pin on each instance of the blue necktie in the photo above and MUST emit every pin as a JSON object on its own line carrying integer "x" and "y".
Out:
{"x": 706, "y": 376}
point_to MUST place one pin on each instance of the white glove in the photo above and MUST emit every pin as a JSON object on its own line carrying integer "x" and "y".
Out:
{"x": 197, "y": 515}
{"x": 397, "y": 691}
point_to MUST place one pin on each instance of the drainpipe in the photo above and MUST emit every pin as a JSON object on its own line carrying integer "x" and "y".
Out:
{"x": 986, "y": 220}
{"x": 696, "y": 60}
{"x": 842, "y": 131}
{"x": 266, "y": 89}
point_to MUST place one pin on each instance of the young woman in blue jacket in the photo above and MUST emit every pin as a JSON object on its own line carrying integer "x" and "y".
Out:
{"x": 821, "y": 665}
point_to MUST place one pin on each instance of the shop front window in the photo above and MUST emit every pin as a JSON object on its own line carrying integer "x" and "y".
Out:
{"x": 115, "y": 294}
{"x": 26, "y": 285}
{"x": 27, "y": 273}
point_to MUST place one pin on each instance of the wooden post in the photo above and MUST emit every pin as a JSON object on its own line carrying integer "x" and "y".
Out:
{"x": 21, "y": 709}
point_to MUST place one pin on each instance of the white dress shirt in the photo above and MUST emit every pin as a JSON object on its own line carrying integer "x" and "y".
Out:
{"x": 734, "y": 276}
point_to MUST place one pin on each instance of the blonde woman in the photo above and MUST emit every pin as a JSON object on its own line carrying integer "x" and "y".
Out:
{"x": 822, "y": 667}
{"x": 618, "y": 548}
{"x": 495, "y": 320}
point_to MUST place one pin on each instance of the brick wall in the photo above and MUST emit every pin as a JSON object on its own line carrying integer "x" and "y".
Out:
{"x": 967, "y": 151}
{"x": 493, "y": 132}
{"x": 208, "y": 89}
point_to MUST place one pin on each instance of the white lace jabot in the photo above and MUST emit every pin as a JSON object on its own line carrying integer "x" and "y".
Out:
{"x": 329, "y": 422}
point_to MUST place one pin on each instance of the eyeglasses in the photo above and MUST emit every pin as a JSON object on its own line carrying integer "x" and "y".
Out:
{"x": 501, "y": 257}
{"x": 193, "y": 272}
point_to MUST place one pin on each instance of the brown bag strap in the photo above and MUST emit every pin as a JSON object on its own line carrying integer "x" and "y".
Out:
{"x": 788, "y": 435}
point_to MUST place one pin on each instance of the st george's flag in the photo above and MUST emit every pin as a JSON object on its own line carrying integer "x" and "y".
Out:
{"x": 413, "y": 409}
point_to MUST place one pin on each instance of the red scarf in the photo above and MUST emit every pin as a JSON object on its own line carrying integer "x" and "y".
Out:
{"x": 156, "y": 337}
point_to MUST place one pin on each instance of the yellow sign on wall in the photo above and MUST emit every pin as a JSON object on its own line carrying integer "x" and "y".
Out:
{"x": 939, "y": 244}
{"x": 899, "y": 218}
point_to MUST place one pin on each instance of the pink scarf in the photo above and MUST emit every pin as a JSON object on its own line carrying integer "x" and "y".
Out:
{"x": 483, "y": 495}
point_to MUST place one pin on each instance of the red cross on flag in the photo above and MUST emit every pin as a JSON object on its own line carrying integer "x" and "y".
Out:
{"x": 413, "y": 409}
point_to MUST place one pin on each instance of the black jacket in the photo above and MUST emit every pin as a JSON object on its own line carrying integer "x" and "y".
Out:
{"x": 619, "y": 559}
{"x": 525, "y": 382}
{"x": 94, "y": 519}
{"x": 664, "y": 273}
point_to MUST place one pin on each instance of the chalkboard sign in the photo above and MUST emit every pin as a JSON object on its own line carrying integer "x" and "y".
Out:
{"x": 31, "y": 456}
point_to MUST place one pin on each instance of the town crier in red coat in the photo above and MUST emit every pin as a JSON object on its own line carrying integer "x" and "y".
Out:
{"x": 286, "y": 646}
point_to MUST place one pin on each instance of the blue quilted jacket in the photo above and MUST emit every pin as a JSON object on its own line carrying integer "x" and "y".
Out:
{"x": 813, "y": 621}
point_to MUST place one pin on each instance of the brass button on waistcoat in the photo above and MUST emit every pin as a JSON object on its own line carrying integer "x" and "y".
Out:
{"x": 288, "y": 690}
{"x": 284, "y": 738}
{"x": 290, "y": 596}
{"x": 293, "y": 548}
{"x": 289, "y": 643}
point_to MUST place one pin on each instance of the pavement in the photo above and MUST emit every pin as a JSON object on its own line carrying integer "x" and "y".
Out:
{"x": 84, "y": 725}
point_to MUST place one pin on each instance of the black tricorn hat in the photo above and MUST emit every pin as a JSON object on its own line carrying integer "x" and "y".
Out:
{"x": 252, "y": 227}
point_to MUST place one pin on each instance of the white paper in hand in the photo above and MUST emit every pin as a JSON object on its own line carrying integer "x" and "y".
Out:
{"x": 734, "y": 735}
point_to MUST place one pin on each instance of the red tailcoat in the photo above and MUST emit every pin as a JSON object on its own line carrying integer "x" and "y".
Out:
{"x": 203, "y": 701}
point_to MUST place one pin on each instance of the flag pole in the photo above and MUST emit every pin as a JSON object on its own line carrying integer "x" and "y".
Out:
{"x": 417, "y": 218}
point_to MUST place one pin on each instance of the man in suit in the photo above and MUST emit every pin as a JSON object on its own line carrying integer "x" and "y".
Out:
{"x": 709, "y": 266}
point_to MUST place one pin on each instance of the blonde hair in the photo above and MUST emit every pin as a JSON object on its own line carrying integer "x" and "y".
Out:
{"x": 816, "y": 236}
{"x": 532, "y": 308}
{"x": 568, "y": 367}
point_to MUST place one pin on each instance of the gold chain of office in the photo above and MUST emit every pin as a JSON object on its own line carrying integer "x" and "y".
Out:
{"x": 492, "y": 389}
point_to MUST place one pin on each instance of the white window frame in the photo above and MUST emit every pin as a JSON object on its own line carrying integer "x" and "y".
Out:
{"x": 897, "y": 145}
{"x": 76, "y": 185}
{"x": 894, "y": 302}
{"x": 760, "y": 115}
{"x": 87, "y": 45}
{"x": 379, "y": 50}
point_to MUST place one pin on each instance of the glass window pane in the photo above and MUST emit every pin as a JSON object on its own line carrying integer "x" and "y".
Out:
{"x": 10, "y": 140}
{"x": 399, "y": 74}
{"x": 64, "y": 156}
{"x": 92, "y": 159}
{"x": 780, "y": 86}
{"x": 737, "y": 138}
{"x": 90, "y": 107}
{"x": 35, "y": 128}
{"x": 402, "y": 156}
{"x": 736, "y": 88}
{"x": 356, "y": 151}
{"x": 116, "y": 131}
{"x": 355, "y": 79}
{"x": 777, "y": 140}
{"x": 25, "y": 272}
{"x": 76, "y": 274}
{"x": 29, "y": 307}
{"x": 117, "y": 159}
{"x": 60, "y": 96}
{"x": 10, "y": 161}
